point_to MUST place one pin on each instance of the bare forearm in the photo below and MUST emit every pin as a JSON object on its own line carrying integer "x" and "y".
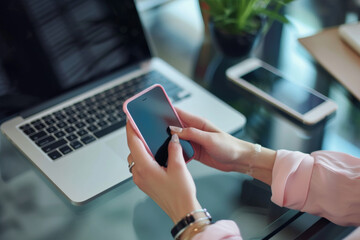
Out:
{"x": 256, "y": 161}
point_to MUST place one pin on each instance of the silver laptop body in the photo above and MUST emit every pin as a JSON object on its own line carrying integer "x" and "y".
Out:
{"x": 86, "y": 172}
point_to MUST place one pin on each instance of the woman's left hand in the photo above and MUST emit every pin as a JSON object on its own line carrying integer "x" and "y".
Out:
{"x": 172, "y": 188}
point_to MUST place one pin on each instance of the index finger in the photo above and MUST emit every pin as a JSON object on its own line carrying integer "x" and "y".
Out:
{"x": 196, "y": 122}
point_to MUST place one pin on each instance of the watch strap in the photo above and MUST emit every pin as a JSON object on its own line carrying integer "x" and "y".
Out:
{"x": 188, "y": 220}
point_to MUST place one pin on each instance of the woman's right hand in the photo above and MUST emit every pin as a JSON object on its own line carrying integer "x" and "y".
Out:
{"x": 214, "y": 147}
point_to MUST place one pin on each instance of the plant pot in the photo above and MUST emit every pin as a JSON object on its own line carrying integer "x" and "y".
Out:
{"x": 234, "y": 45}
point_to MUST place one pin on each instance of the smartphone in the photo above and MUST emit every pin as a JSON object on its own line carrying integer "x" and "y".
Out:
{"x": 150, "y": 112}
{"x": 268, "y": 83}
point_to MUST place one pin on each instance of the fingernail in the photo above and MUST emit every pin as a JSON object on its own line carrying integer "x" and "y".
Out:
{"x": 176, "y": 129}
{"x": 175, "y": 138}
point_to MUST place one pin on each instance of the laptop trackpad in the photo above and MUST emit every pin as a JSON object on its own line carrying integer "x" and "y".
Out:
{"x": 119, "y": 145}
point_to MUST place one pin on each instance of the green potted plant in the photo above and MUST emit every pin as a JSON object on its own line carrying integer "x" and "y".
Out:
{"x": 235, "y": 25}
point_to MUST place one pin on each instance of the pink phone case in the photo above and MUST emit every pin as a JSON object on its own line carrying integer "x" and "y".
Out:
{"x": 133, "y": 124}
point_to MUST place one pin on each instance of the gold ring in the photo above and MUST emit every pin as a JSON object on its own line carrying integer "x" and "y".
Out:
{"x": 131, "y": 166}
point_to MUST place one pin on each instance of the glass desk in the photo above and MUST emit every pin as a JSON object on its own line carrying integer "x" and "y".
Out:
{"x": 31, "y": 208}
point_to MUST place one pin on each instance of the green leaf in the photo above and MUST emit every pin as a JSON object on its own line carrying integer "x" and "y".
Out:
{"x": 274, "y": 15}
{"x": 242, "y": 15}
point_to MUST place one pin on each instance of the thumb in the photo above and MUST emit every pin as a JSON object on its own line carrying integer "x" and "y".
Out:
{"x": 192, "y": 134}
{"x": 175, "y": 153}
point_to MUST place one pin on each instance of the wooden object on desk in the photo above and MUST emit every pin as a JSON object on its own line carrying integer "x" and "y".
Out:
{"x": 336, "y": 57}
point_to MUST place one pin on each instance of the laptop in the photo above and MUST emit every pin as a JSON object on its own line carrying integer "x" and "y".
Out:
{"x": 70, "y": 65}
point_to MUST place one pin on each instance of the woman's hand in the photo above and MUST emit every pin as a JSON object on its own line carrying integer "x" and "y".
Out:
{"x": 172, "y": 188}
{"x": 213, "y": 147}
{"x": 222, "y": 151}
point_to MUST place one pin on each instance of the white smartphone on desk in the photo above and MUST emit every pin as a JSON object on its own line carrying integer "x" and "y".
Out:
{"x": 268, "y": 83}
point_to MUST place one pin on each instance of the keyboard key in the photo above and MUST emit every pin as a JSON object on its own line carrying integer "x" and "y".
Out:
{"x": 60, "y": 117}
{"x": 92, "y": 128}
{"x": 119, "y": 104}
{"x": 101, "y": 106}
{"x": 82, "y": 115}
{"x": 109, "y": 111}
{"x": 109, "y": 129}
{"x": 76, "y": 144}
{"x": 44, "y": 141}
{"x": 59, "y": 134}
{"x": 121, "y": 114}
{"x": 39, "y": 126}
{"x": 78, "y": 104}
{"x": 50, "y": 121}
{"x": 54, "y": 155}
{"x": 70, "y": 129}
{"x": 72, "y": 120}
{"x": 25, "y": 126}
{"x": 108, "y": 92}
{"x": 71, "y": 137}
{"x": 87, "y": 139}
{"x": 53, "y": 146}
{"x": 80, "y": 108}
{"x": 44, "y": 118}
{"x": 88, "y": 100}
{"x": 102, "y": 123}
{"x": 112, "y": 119}
{"x": 91, "y": 111}
{"x": 29, "y": 131}
{"x": 35, "y": 122}
{"x": 82, "y": 132}
{"x": 51, "y": 129}
{"x": 90, "y": 120}
{"x": 80, "y": 125}
{"x": 120, "y": 87}
{"x": 99, "y": 115}
{"x": 98, "y": 107}
{"x": 57, "y": 113}
{"x": 38, "y": 135}
{"x": 61, "y": 125}
{"x": 98, "y": 96}
{"x": 65, "y": 150}
{"x": 69, "y": 111}
{"x": 111, "y": 102}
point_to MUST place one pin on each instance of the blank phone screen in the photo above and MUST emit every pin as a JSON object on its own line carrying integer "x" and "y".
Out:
{"x": 153, "y": 115}
{"x": 285, "y": 91}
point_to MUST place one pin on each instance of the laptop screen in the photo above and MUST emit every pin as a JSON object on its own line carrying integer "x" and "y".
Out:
{"x": 48, "y": 47}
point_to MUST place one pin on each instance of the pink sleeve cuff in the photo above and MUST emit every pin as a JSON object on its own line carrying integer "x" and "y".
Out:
{"x": 291, "y": 169}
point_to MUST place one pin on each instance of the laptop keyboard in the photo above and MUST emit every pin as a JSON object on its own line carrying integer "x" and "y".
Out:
{"x": 75, "y": 126}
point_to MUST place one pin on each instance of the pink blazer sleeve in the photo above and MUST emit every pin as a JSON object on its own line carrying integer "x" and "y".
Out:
{"x": 324, "y": 183}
